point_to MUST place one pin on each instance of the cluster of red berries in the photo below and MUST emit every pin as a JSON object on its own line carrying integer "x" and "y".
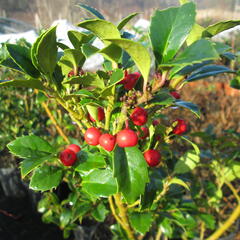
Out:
{"x": 130, "y": 80}
{"x": 69, "y": 156}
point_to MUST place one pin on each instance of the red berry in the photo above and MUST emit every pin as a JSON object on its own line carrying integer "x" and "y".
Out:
{"x": 68, "y": 157}
{"x": 144, "y": 134}
{"x": 101, "y": 115}
{"x": 180, "y": 128}
{"x": 71, "y": 74}
{"x": 139, "y": 116}
{"x": 127, "y": 138}
{"x": 92, "y": 136}
{"x": 175, "y": 94}
{"x": 155, "y": 122}
{"x": 152, "y": 157}
{"x": 107, "y": 141}
{"x": 130, "y": 80}
{"x": 75, "y": 148}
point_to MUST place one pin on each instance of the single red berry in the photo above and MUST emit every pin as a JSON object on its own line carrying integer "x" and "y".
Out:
{"x": 68, "y": 157}
{"x": 107, "y": 141}
{"x": 139, "y": 116}
{"x": 180, "y": 128}
{"x": 130, "y": 80}
{"x": 144, "y": 134}
{"x": 175, "y": 94}
{"x": 127, "y": 138}
{"x": 71, "y": 74}
{"x": 75, "y": 148}
{"x": 155, "y": 122}
{"x": 152, "y": 157}
{"x": 101, "y": 115}
{"x": 92, "y": 136}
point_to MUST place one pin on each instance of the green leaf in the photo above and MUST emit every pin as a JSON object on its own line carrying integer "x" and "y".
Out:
{"x": 65, "y": 217}
{"x": 30, "y": 164}
{"x": 101, "y": 28}
{"x": 162, "y": 99}
{"x": 130, "y": 170}
{"x": 88, "y": 50}
{"x": 99, "y": 183}
{"x": 195, "y": 34}
{"x": 78, "y": 38}
{"x": 138, "y": 53}
{"x": 81, "y": 93}
{"x": 169, "y": 29}
{"x": 21, "y": 56}
{"x": 179, "y": 182}
{"x": 198, "y": 52}
{"x": 46, "y": 51}
{"x": 235, "y": 83}
{"x": 232, "y": 171}
{"x": 80, "y": 209}
{"x": 46, "y": 178}
{"x": 9, "y": 63}
{"x": 116, "y": 77}
{"x": 187, "y": 162}
{"x": 111, "y": 52}
{"x": 91, "y": 10}
{"x": 141, "y": 222}
{"x": 207, "y": 71}
{"x": 191, "y": 106}
{"x": 29, "y": 146}
{"x": 31, "y": 83}
{"x": 125, "y": 20}
{"x": 193, "y": 144}
{"x": 208, "y": 220}
{"x": 216, "y": 28}
{"x": 89, "y": 161}
{"x": 88, "y": 79}
{"x": 100, "y": 212}
{"x": 221, "y": 48}
{"x": 71, "y": 60}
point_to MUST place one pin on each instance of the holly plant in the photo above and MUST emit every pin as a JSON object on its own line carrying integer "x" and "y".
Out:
{"x": 124, "y": 163}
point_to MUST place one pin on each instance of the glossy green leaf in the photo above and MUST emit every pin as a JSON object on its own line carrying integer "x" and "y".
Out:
{"x": 88, "y": 79}
{"x": 179, "y": 181}
{"x": 198, "y": 52}
{"x": 81, "y": 93}
{"x": 231, "y": 171}
{"x": 138, "y": 53}
{"x": 169, "y": 29}
{"x": 101, "y": 28}
{"x": 111, "y": 52}
{"x": 9, "y": 63}
{"x": 125, "y": 20}
{"x": 91, "y": 10}
{"x": 187, "y": 162}
{"x": 162, "y": 99}
{"x": 65, "y": 217}
{"x": 88, "y": 50}
{"x": 219, "y": 27}
{"x": 46, "y": 51}
{"x": 235, "y": 83}
{"x": 78, "y": 38}
{"x": 99, "y": 183}
{"x": 88, "y": 161}
{"x": 30, "y": 164}
{"x": 141, "y": 222}
{"x": 46, "y": 178}
{"x": 208, "y": 220}
{"x": 207, "y": 71}
{"x": 80, "y": 209}
{"x": 72, "y": 59}
{"x": 221, "y": 47}
{"x": 195, "y": 34}
{"x": 29, "y": 146}
{"x": 189, "y": 105}
{"x": 21, "y": 56}
{"x": 100, "y": 212}
{"x": 130, "y": 170}
{"x": 196, "y": 148}
{"x": 116, "y": 77}
{"x": 31, "y": 83}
